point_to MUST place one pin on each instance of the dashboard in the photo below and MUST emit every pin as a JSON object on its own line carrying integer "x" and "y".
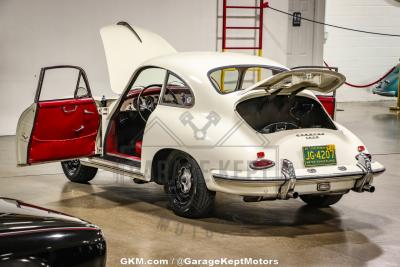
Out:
{"x": 136, "y": 100}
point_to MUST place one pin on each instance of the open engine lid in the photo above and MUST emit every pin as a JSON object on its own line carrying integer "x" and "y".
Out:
{"x": 126, "y": 47}
{"x": 295, "y": 81}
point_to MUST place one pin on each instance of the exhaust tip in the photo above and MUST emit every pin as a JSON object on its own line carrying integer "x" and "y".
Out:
{"x": 251, "y": 199}
{"x": 292, "y": 194}
{"x": 372, "y": 189}
{"x": 369, "y": 188}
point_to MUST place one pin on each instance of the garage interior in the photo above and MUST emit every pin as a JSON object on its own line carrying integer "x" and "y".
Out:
{"x": 361, "y": 230}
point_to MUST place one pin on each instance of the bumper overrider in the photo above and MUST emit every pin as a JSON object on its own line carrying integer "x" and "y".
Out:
{"x": 292, "y": 183}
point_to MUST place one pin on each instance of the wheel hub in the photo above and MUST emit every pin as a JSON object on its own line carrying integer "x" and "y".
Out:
{"x": 72, "y": 166}
{"x": 185, "y": 179}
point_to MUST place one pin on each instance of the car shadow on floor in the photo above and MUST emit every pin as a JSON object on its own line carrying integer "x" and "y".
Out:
{"x": 341, "y": 227}
{"x": 236, "y": 216}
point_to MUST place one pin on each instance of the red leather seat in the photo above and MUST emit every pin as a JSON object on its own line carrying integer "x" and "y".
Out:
{"x": 138, "y": 148}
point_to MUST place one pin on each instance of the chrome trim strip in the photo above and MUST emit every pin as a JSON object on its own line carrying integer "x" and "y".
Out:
{"x": 280, "y": 182}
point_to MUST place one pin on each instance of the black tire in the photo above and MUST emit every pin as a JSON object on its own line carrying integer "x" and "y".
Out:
{"x": 76, "y": 172}
{"x": 321, "y": 200}
{"x": 187, "y": 199}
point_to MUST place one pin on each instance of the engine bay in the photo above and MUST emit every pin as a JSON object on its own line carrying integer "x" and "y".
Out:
{"x": 275, "y": 113}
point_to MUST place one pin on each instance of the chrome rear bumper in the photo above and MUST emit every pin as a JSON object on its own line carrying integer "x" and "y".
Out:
{"x": 289, "y": 185}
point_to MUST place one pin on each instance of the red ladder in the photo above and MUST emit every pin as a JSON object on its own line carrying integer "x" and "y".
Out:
{"x": 258, "y": 28}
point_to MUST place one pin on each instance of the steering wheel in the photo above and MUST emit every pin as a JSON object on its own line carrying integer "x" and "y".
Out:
{"x": 143, "y": 104}
{"x": 279, "y": 126}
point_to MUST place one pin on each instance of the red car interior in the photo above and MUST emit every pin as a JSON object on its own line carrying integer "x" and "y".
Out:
{"x": 329, "y": 104}
{"x": 138, "y": 148}
{"x": 111, "y": 141}
{"x": 112, "y": 145}
{"x": 64, "y": 129}
{"x": 125, "y": 156}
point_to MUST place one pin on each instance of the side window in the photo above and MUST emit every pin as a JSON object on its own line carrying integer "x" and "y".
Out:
{"x": 177, "y": 93}
{"x": 225, "y": 80}
{"x": 149, "y": 77}
{"x": 62, "y": 83}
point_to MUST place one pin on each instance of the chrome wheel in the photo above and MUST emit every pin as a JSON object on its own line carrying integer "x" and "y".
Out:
{"x": 187, "y": 192}
{"x": 71, "y": 166}
{"x": 185, "y": 177}
{"x": 183, "y": 180}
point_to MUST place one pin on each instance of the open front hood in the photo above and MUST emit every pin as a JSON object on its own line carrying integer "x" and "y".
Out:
{"x": 295, "y": 81}
{"x": 126, "y": 48}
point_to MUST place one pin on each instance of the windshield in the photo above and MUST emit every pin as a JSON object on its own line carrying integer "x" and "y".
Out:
{"x": 230, "y": 79}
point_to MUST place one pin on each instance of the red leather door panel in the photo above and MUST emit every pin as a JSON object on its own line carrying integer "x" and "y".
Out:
{"x": 64, "y": 129}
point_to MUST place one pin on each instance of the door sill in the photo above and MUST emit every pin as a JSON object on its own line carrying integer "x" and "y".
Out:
{"x": 114, "y": 166}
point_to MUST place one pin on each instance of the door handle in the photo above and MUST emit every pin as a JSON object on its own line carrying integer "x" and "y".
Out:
{"x": 85, "y": 111}
{"x": 80, "y": 129}
{"x": 69, "y": 110}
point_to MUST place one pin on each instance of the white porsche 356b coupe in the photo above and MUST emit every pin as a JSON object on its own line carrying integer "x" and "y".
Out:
{"x": 197, "y": 123}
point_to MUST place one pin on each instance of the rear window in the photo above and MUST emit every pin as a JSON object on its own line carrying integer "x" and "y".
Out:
{"x": 230, "y": 79}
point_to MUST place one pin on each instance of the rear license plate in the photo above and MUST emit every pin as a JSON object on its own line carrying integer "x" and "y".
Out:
{"x": 319, "y": 155}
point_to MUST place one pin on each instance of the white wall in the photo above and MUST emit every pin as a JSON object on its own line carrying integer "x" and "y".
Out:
{"x": 38, "y": 33}
{"x": 275, "y": 38}
{"x": 361, "y": 57}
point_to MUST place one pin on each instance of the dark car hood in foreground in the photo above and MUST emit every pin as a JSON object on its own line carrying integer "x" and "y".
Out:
{"x": 17, "y": 217}
{"x": 32, "y": 233}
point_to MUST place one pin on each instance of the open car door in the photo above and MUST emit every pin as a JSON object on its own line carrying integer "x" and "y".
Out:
{"x": 63, "y": 122}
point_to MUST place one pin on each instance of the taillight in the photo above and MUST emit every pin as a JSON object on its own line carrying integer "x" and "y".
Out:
{"x": 261, "y": 162}
{"x": 361, "y": 149}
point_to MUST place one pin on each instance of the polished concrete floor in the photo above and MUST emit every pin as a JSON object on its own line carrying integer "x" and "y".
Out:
{"x": 361, "y": 230}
